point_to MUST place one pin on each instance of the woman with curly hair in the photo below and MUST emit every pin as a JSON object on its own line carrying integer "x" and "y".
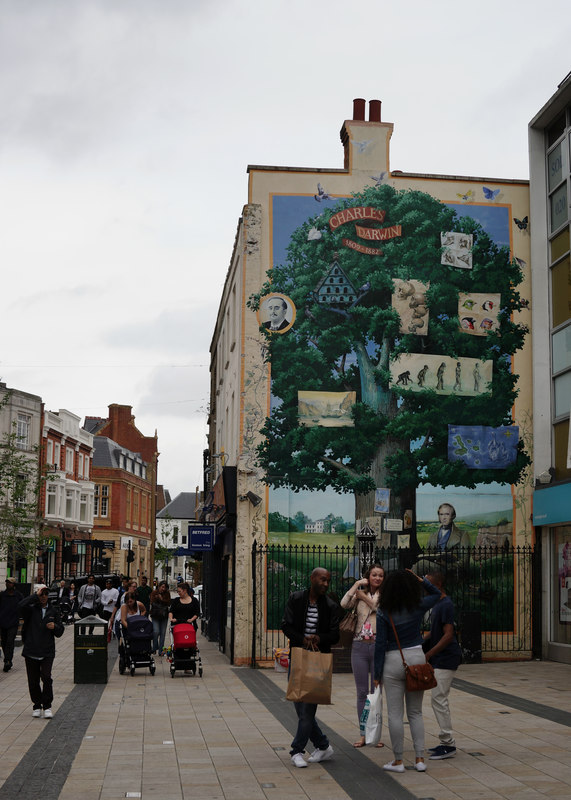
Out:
{"x": 401, "y": 603}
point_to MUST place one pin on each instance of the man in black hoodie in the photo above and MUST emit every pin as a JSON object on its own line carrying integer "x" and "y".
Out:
{"x": 42, "y": 624}
{"x": 9, "y": 620}
{"x": 311, "y": 620}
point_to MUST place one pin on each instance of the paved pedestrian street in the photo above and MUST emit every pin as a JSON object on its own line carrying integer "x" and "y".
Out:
{"x": 227, "y": 735}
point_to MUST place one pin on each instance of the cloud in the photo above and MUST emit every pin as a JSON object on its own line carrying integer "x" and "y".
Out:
{"x": 180, "y": 330}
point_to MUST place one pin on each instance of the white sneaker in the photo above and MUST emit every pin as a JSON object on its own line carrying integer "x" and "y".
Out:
{"x": 298, "y": 760}
{"x": 48, "y": 713}
{"x": 390, "y": 767}
{"x": 420, "y": 766}
{"x": 321, "y": 755}
{"x": 37, "y": 712}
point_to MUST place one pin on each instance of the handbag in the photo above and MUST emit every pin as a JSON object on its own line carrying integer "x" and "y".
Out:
{"x": 418, "y": 677}
{"x": 347, "y": 628}
{"x": 371, "y": 720}
{"x": 310, "y": 676}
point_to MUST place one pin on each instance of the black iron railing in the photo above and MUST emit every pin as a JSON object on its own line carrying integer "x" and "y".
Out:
{"x": 492, "y": 589}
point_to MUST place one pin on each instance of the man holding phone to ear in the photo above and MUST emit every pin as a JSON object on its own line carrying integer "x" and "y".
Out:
{"x": 42, "y": 624}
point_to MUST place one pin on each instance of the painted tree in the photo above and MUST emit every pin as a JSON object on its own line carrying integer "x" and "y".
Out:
{"x": 350, "y": 348}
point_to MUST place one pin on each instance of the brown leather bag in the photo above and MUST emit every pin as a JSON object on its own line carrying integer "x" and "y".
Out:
{"x": 418, "y": 677}
{"x": 347, "y": 628}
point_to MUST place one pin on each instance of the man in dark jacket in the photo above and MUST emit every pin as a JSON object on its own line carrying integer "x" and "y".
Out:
{"x": 9, "y": 620}
{"x": 445, "y": 655}
{"x": 311, "y": 620}
{"x": 42, "y": 624}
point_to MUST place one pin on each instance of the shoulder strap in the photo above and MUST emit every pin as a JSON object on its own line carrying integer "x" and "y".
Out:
{"x": 398, "y": 642}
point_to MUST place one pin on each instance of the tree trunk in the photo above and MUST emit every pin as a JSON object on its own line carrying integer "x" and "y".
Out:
{"x": 398, "y": 503}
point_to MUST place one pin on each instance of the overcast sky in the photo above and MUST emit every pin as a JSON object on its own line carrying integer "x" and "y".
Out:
{"x": 126, "y": 127}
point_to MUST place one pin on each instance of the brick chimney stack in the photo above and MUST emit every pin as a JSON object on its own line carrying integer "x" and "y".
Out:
{"x": 371, "y": 137}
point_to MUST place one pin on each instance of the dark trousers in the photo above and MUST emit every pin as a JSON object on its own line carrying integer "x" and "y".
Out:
{"x": 307, "y": 728}
{"x": 41, "y": 696}
{"x": 7, "y": 638}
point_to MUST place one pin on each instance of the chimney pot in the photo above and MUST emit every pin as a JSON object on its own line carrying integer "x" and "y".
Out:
{"x": 359, "y": 109}
{"x": 374, "y": 111}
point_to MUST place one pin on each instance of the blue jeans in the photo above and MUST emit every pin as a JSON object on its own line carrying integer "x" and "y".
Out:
{"x": 307, "y": 728}
{"x": 159, "y": 631}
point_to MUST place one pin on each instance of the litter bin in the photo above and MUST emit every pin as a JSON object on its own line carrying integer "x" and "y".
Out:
{"x": 471, "y": 636}
{"x": 90, "y": 650}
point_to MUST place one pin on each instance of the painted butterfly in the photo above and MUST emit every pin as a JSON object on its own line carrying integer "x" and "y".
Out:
{"x": 490, "y": 194}
{"x": 521, "y": 223}
{"x": 466, "y": 196}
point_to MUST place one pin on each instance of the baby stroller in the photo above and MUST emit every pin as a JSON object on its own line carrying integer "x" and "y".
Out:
{"x": 184, "y": 654}
{"x": 135, "y": 647}
{"x": 66, "y": 611}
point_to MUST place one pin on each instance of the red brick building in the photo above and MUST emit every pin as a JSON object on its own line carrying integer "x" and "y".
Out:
{"x": 66, "y": 496}
{"x": 124, "y": 472}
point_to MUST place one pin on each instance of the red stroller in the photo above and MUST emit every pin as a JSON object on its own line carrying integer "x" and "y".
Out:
{"x": 184, "y": 653}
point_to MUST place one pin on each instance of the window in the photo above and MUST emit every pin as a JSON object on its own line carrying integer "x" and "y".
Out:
{"x": 136, "y": 508}
{"x": 101, "y": 500}
{"x": 183, "y": 539}
{"x": 51, "y": 497}
{"x": 49, "y": 453}
{"x": 80, "y": 465}
{"x": 175, "y": 534}
{"x": 83, "y": 507}
{"x": 20, "y": 491}
{"x": 57, "y": 451}
{"x": 23, "y": 424}
{"x": 86, "y": 468}
{"x": 144, "y": 520}
{"x": 128, "y": 509}
{"x": 69, "y": 454}
{"x": 69, "y": 504}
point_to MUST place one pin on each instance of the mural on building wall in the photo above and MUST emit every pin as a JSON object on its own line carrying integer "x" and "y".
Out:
{"x": 371, "y": 245}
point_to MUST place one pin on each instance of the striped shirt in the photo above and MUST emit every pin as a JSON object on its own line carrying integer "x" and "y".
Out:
{"x": 311, "y": 619}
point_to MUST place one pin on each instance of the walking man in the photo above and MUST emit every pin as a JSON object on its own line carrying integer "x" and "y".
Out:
{"x": 311, "y": 620}
{"x": 42, "y": 624}
{"x": 144, "y": 592}
{"x": 445, "y": 656}
{"x": 9, "y": 619}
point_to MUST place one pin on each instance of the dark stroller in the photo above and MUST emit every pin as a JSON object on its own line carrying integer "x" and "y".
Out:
{"x": 184, "y": 654}
{"x": 136, "y": 645}
{"x": 66, "y": 611}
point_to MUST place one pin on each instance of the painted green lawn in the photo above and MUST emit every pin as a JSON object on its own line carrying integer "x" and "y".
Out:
{"x": 312, "y": 539}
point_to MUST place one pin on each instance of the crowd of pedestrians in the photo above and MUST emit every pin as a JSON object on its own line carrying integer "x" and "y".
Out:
{"x": 42, "y": 622}
{"x": 390, "y": 613}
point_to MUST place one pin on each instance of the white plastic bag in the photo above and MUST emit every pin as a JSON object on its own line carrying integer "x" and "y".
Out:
{"x": 371, "y": 720}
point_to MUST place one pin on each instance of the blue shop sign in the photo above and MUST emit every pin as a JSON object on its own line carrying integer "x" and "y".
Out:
{"x": 200, "y": 537}
{"x": 552, "y": 505}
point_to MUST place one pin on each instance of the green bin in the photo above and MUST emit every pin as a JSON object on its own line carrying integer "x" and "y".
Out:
{"x": 90, "y": 650}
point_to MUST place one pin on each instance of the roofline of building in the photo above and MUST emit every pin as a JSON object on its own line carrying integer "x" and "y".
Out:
{"x": 556, "y": 103}
{"x": 395, "y": 173}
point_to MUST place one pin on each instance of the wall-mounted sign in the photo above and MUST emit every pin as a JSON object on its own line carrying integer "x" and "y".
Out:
{"x": 200, "y": 537}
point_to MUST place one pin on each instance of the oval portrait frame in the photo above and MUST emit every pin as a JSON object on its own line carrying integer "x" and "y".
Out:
{"x": 290, "y": 314}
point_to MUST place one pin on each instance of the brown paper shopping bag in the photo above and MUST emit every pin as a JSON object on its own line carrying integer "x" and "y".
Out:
{"x": 310, "y": 676}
